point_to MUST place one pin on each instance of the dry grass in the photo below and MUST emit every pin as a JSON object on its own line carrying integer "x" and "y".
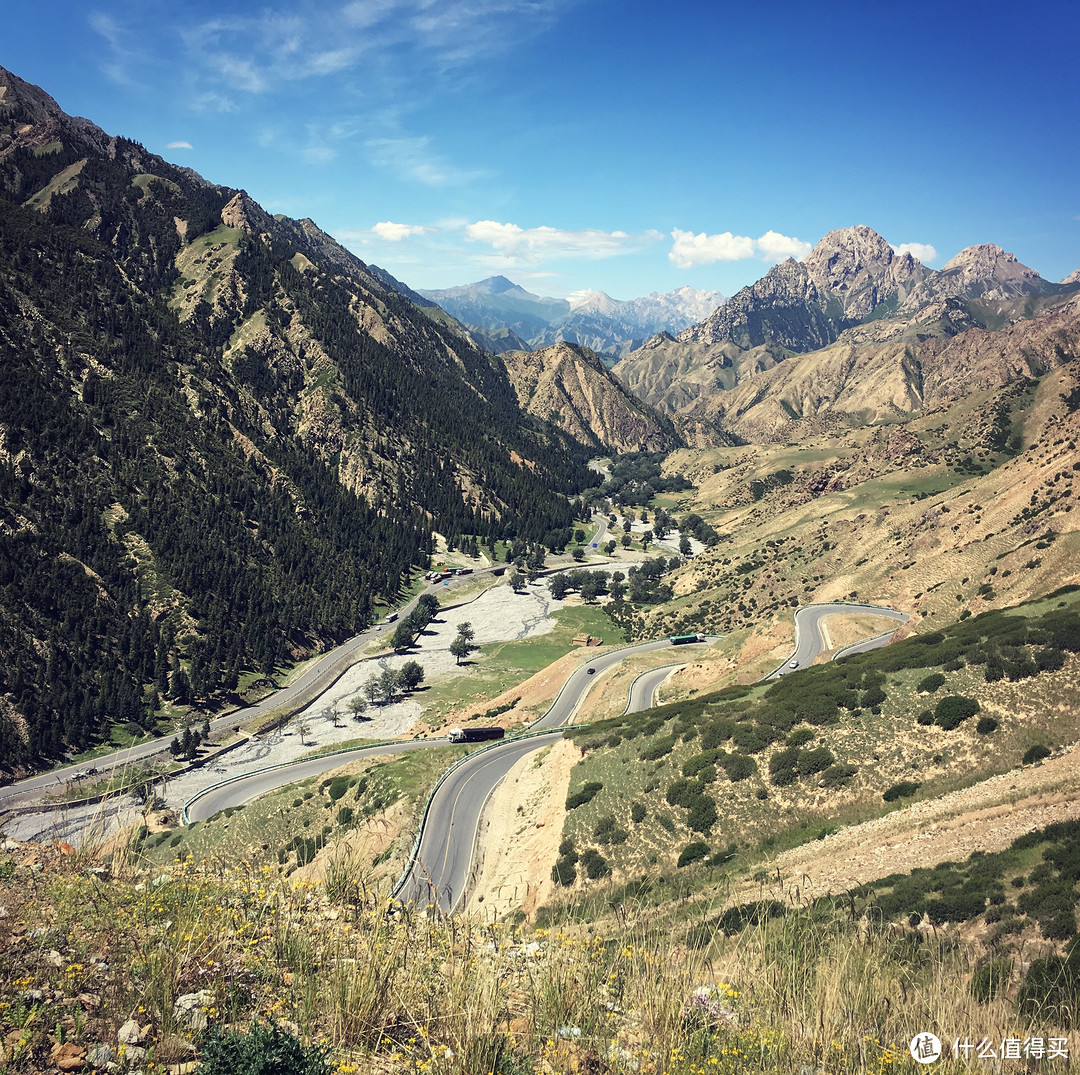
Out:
{"x": 391, "y": 990}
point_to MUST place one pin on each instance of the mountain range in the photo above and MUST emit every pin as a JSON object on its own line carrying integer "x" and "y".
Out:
{"x": 226, "y": 442}
{"x": 852, "y": 292}
{"x": 503, "y": 316}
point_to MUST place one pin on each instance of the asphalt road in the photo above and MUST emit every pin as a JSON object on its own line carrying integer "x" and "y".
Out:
{"x": 643, "y": 689}
{"x": 303, "y": 690}
{"x": 808, "y": 638}
{"x": 243, "y": 789}
{"x": 444, "y": 861}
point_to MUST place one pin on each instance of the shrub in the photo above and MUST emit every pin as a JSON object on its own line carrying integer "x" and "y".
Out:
{"x": 698, "y": 763}
{"x": 586, "y": 795}
{"x": 837, "y": 776}
{"x": 702, "y": 814}
{"x": 735, "y": 919}
{"x": 607, "y": 832}
{"x": 659, "y": 749}
{"x": 953, "y": 710}
{"x": 925, "y": 718}
{"x": 738, "y": 766}
{"x": 814, "y": 761}
{"x": 344, "y": 816}
{"x": 564, "y": 872}
{"x": 1051, "y": 991}
{"x": 1053, "y": 906}
{"x": 266, "y": 1049}
{"x": 692, "y": 853}
{"x": 748, "y": 739}
{"x": 596, "y": 866}
{"x": 987, "y": 725}
{"x": 800, "y": 737}
{"x": 716, "y": 733}
{"x": 1034, "y": 754}
{"x": 637, "y": 812}
{"x": 1050, "y": 659}
{"x": 904, "y": 790}
{"x": 337, "y": 787}
{"x": 930, "y": 683}
{"x": 675, "y": 792}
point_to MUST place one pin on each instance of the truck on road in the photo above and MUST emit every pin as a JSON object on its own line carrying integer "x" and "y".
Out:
{"x": 474, "y": 735}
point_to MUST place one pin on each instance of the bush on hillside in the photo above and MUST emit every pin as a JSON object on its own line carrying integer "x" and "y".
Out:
{"x": 839, "y": 775}
{"x": 586, "y": 795}
{"x": 702, "y": 814}
{"x": 692, "y": 853}
{"x": 800, "y": 737}
{"x": 1034, "y": 754}
{"x": 738, "y": 766}
{"x": 931, "y": 683}
{"x": 1051, "y": 990}
{"x": 953, "y": 710}
{"x": 987, "y": 725}
{"x": 265, "y": 1049}
{"x": 903, "y": 790}
{"x": 596, "y": 866}
{"x": 660, "y": 748}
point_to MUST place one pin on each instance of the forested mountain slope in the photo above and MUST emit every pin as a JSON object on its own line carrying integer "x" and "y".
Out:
{"x": 222, "y": 439}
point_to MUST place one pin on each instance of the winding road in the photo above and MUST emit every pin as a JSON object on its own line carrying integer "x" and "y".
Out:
{"x": 440, "y": 867}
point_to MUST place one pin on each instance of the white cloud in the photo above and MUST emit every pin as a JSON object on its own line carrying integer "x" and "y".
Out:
{"x": 529, "y": 245}
{"x": 773, "y": 246}
{"x": 689, "y": 250}
{"x": 122, "y": 48}
{"x": 394, "y": 233}
{"x": 923, "y": 251}
{"x": 412, "y": 159}
{"x": 179, "y": 145}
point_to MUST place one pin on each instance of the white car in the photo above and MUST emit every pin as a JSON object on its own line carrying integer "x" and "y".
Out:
{"x": 793, "y": 664}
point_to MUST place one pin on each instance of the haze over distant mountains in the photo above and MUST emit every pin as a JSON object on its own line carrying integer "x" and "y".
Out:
{"x": 503, "y": 316}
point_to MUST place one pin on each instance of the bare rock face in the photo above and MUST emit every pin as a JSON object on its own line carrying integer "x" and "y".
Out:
{"x": 243, "y": 212}
{"x": 1073, "y": 277}
{"x": 857, "y": 267}
{"x": 987, "y": 272}
{"x": 569, "y": 385}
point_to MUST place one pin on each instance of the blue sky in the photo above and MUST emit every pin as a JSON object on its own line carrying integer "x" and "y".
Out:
{"x": 597, "y": 144}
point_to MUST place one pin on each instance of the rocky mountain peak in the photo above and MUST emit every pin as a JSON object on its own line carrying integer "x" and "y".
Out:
{"x": 33, "y": 119}
{"x": 1073, "y": 277}
{"x": 242, "y": 211}
{"x": 989, "y": 262}
{"x": 497, "y": 285}
{"x": 861, "y": 268}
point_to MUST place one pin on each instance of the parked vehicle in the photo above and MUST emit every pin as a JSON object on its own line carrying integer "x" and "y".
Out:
{"x": 474, "y": 735}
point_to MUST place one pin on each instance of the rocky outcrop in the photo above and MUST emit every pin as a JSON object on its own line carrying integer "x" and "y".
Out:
{"x": 858, "y": 270}
{"x": 243, "y": 212}
{"x": 852, "y": 290}
{"x": 570, "y": 386}
{"x": 858, "y": 385}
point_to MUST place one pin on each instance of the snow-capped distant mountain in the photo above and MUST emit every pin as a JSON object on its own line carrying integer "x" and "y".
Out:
{"x": 501, "y": 310}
